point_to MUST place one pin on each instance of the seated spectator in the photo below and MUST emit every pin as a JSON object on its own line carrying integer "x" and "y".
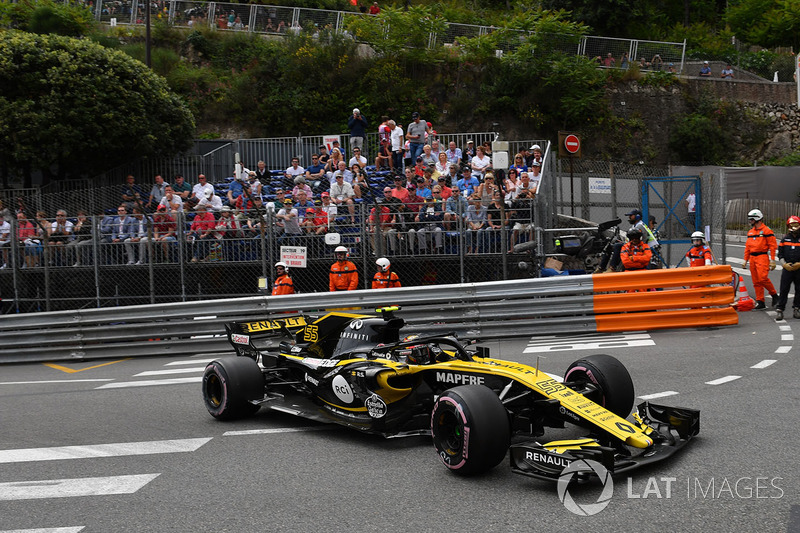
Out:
{"x": 294, "y": 171}
{"x": 210, "y": 201}
{"x": 332, "y": 165}
{"x": 228, "y": 228}
{"x": 454, "y": 154}
{"x": 522, "y": 216}
{"x": 480, "y": 163}
{"x": 535, "y": 175}
{"x": 430, "y": 217}
{"x": 235, "y": 191}
{"x": 315, "y": 171}
{"x": 609, "y": 61}
{"x": 301, "y": 185}
{"x": 137, "y": 234}
{"x": 442, "y": 165}
{"x": 182, "y": 188}
{"x": 263, "y": 174}
{"x": 164, "y": 231}
{"x": 60, "y": 234}
{"x": 171, "y": 201}
{"x": 510, "y": 186}
{"x": 28, "y": 237}
{"x": 324, "y": 156}
{"x": 436, "y": 149}
{"x": 256, "y": 218}
{"x": 156, "y": 193}
{"x": 82, "y": 239}
{"x": 487, "y": 189}
{"x": 253, "y": 184}
{"x": 357, "y": 159}
{"x": 201, "y": 233}
{"x": 344, "y": 171}
{"x": 519, "y": 164}
{"x": 468, "y": 153}
{"x": 335, "y": 146}
{"x": 468, "y": 183}
{"x": 316, "y": 219}
{"x": 361, "y": 185}
{"x": 303, "y": 204}
{"x": 342, "y": 195}
{"x": 428, "y": 160}
{"x": 476, "y": 223}
{"x": 446, "y": 191}
{"x": 384, "y": 157}
{"x": 381, "y": 223}
{"x": 399, "y": 191}
{"x": 329, "y": 207}
{"x": 277, "y": 205}
{"x": 525, "y": 184}
{"x": 291, "y": 223}
{"x": 201, "y": 188}
{"x": 424, "y": 185}
{"x": 727, "y": 72}
{"x": 705, "y": 71}
{"x": 131, "y": 192}
{"x": 455, "y": 208}
{"x": 5, "y": 240}
{"x": 496, "y": 218}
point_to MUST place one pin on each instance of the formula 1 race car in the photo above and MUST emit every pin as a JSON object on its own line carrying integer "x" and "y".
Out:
{"x": 356, "y": 371}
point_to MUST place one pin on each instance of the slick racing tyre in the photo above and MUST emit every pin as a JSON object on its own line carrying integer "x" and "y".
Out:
{"x": 614, "y": 383}
{"x": 470, "y": 429}
{"x": 229, "y": 384}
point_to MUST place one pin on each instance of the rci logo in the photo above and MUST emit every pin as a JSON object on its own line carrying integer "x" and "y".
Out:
{"x": 587, "y": 509}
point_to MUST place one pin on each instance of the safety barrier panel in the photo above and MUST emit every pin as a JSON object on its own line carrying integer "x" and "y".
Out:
{"x": 645, "y": 300}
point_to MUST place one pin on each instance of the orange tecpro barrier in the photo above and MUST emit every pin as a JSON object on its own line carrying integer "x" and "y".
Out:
{"x": 683, "y": 297}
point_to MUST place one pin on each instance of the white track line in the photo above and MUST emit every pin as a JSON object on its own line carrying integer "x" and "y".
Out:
{"x": 92, "y": 451}
{"x": 764, "y": 364}
{"x": 783, "y": 349}
{"x": 277, "y": 430}
{"x": 720, "y": 381}
{"x": 658, "y": 395}
{"x": 170, "y": 371}
{"x": 52, "y": 381}
{"x": 149, "y": 383}
{"x": 65, "y": 488}
{"x": 789, "y": 337}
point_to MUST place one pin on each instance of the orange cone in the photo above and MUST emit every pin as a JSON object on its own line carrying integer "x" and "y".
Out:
{"x": 743, "y": 300}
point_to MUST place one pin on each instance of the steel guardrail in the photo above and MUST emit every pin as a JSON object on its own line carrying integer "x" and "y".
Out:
{"x": 503, "y": 309}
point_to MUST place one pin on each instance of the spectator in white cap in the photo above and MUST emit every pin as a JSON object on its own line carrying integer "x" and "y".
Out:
{"x": 468, "y": 152}
{"x": 535, "y": 155}
{"x": 357, "y": 124}
{"x": 706, "y": 70}
{"x": 210, "y": 201}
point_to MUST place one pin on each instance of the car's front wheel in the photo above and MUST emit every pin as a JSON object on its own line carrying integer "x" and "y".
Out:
{"x": 610, "y": 377}
{"x": 470, "y": 429}
{"x": 230, "y": 384}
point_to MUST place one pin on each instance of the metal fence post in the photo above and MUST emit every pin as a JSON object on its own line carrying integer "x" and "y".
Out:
{"x": 96, "y": 257}
{"x": 151, "y": 258}
{"x": 462, "y": 250}
{"x": 181, "y": 232}
{"x": 14, "y": 257}
{"x": 98, "y": 9}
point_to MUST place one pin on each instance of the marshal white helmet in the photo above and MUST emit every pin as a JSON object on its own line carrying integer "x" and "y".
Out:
{"x": 755, "y": 214}
{"x": 698, "y": 235}
{"x": 282, "y": 264}
{"x": 340, "y": 250}
{"x": 383, "y": 264}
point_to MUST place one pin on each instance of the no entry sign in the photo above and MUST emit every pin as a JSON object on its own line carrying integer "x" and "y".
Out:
{"x": 572, "y": 144}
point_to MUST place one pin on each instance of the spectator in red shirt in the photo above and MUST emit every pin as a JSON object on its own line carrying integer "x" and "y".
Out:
{"x": 202, "y": 232}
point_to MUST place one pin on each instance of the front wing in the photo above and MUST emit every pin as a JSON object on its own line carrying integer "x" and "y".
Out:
{"x": 670, "y": 427}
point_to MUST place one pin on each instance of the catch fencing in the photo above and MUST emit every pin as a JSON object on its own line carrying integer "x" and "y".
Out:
{"x": 696, "y": 297}
{"x": 601, "y": 190}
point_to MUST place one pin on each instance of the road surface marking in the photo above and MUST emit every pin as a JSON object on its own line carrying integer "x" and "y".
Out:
{"x": 170, "y": 371}
{"x": 789, "y": 337}
{"x": 75, "y": 529}
{"x": 277, "y": 430}
{"x": 150, "y": 383}
{"x": 91, "y": 451}
{"x": 52, "y": 381}
{"x": 783, "y": 349}
{"x": 764, "y": 364}
{"x": 74, "y": 370}
{"x": 190, "y": 362}
{"x": 587, "y": 342}
{"x": 658, "y": 395}
{"x": 68, "y": 488}
{"x": 720, "y": 381}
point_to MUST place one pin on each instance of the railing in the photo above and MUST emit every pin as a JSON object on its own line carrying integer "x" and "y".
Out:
{"x": 277, "y": 20}
{"x": 585, "y": 304}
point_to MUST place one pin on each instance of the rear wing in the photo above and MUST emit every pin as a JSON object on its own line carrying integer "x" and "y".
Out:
{"x": 242, "y": 335}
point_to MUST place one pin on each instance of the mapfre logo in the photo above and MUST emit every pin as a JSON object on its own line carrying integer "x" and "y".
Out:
{"x": 584, "y": 466}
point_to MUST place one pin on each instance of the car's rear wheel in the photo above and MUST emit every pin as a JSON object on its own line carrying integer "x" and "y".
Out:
{"x": 228, "y": 386}
{"x": 612, "y": 379}
{"x": 470, "y": 429}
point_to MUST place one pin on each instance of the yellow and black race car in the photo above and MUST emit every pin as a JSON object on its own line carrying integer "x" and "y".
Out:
{"x": 355, "y": 370}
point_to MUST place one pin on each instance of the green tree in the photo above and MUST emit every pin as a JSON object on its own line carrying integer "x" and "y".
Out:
{"x": 70, "y": 108}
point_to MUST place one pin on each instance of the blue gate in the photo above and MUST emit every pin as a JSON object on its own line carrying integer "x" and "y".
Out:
{"x": 682, "y": 187}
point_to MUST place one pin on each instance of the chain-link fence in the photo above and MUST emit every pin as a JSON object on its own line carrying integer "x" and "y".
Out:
{"x": 599, "y": 191}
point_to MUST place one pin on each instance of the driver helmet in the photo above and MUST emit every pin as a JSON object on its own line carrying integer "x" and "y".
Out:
{"x": 282, "y": 264}
{"x": 340, "y": 250}
{"x": 635, "y": 235}
{"x": 755, "y": 215}
{"x": 793, "y": 223}
{"x": 383, "y": 264}
{"x": 697, "y": 238}
{"x": 420, "y": 354}
{"x": 635, "y": 213}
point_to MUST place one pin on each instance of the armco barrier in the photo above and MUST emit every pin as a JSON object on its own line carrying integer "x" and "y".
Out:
{"x": 673, "y": 298}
